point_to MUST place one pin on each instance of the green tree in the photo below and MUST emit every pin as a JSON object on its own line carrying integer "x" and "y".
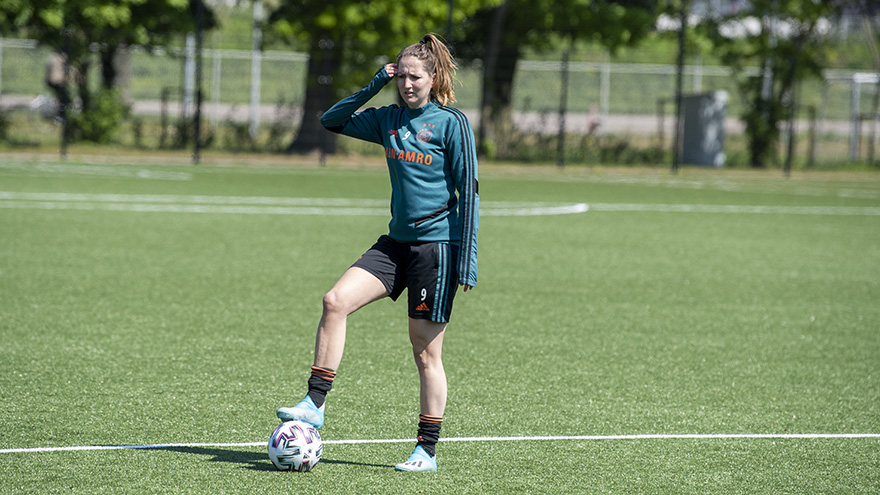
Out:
{"x": 76, "y": 27}
{"x": 347, "y": 40}
{"x": 499, "y": 35}
{"x": 783, "y": 39}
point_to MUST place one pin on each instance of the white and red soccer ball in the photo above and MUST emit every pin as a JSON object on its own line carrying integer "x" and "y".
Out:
{"x": 295, "y": 446}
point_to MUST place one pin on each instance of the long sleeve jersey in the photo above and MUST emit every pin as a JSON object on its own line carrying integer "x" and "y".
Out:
{"x": 431, "y": 156}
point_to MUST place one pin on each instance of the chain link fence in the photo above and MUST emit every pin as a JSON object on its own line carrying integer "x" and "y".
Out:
{"x": 603, "y": 106}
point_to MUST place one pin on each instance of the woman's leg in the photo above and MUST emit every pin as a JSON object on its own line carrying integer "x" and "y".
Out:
{"x": 354, "y": 290}
{"x": 427, "y": 344}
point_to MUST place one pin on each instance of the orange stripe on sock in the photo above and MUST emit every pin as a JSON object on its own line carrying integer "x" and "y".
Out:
{"x": 325, "y": 373}
{"x": 427, "y": 418}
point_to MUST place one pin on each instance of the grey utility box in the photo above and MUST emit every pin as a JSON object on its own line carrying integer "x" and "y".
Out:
{"x": 703, "y": 140}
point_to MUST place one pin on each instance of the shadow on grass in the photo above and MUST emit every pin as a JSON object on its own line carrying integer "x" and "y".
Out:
{"x": 256, "y": 461}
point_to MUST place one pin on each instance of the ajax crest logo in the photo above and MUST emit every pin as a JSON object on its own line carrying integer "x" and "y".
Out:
{"x": 426, "y": 133}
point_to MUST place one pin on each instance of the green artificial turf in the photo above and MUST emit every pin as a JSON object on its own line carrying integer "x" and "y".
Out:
{"x": 124, "y": 327}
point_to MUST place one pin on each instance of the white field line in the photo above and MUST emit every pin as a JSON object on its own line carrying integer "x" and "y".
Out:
{"x": 250, "y": 204}
{"x": 789, "y": 186}
{"x": 111, "y": 171}
{"x": 685, "y": 436}
{"x": 181, "y": 199}
{"x": 783, "y": 210}
{"x": 177, "y": 208}
{"x": 257, "y": 205}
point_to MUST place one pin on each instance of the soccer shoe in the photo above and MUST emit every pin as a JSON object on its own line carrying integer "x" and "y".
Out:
{"x": 418, "y": 461}
{"x": 304, "y": 411}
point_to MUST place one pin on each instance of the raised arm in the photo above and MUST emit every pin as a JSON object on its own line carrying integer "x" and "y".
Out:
{"x": 344, "y": 118}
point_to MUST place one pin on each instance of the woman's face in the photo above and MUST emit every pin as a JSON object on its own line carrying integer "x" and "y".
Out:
{"x": 413, "y": 82}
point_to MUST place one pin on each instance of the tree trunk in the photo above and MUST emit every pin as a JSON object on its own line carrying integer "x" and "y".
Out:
{"x": 762, "y": 124}
{"x": 82, "y": 84}
{"x": 108, "y": 66}
{"x": 485, "y": 132}
{"x": 324, "y": 56}
{"x": 501, "y": 107}
{"x": 762, "y": 131}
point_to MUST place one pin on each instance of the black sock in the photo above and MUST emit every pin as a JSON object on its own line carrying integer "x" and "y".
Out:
{"x": 320, "y": 383}
{"x": 429, "y": 432}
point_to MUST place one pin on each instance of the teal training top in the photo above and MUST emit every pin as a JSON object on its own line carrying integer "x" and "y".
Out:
{"x": 431, "y": 156}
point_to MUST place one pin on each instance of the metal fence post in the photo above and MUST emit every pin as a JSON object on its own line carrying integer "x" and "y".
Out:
{"x": 855, "y": 118}
{"x": 563, "y": 102}
{"x": 1, "y": 65}
{"x": 605, "y": 87}
{"x": 256, "y": 60}
{"x": 216, "y": 68}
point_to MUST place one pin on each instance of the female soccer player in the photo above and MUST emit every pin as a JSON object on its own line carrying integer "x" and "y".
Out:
{"x": 431, "y": 246}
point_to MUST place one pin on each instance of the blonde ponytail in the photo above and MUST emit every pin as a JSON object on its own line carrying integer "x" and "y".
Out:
{"x": 437, "y": 61}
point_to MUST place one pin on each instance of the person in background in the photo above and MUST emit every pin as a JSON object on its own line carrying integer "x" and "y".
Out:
{"x": 57, "y": 79}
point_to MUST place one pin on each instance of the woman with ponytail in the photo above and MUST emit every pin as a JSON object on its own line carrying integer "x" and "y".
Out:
{"x": 431, "y": 245}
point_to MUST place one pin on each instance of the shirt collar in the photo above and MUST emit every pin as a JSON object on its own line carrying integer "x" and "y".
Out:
{"x": 417, "y": 112}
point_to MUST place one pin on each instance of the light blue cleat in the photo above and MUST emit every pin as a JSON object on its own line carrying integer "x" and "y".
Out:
{"x": 418, "y": 461}
{"x": 304, "y": 411}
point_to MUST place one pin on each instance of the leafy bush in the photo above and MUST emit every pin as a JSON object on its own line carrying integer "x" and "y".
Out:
{"x": 101, "y": 119}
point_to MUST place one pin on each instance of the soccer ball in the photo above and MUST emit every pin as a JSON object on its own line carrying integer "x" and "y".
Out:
{"x": 295, "y": 446}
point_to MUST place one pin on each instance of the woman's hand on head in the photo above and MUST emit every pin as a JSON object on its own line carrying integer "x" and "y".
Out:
{"x": 391, "y": 69}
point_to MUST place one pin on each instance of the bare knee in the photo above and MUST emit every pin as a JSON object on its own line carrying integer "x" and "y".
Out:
{"x": 427, "y": 355}
{"x": 427, "y": 344}
{"x": 334, "y": 303}
{"x": 421, "y": 359}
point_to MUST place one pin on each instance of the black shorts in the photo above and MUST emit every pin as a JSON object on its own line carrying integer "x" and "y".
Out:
{"x": 429, "y": 270}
